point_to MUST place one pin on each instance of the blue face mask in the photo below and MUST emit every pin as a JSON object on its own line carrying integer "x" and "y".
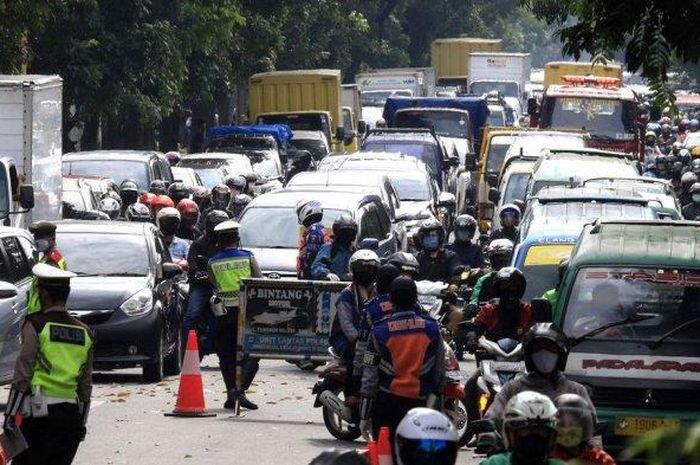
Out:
{"x": 431, "y": 242}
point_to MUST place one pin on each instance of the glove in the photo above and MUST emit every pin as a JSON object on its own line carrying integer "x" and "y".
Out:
{"x": 9, "y": 424}
{"x": 333, "y": 277}
{"x": 366, "y": 429}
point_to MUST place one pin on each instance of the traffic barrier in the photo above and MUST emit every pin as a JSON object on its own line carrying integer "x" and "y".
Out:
{"x": 190, "y": 394}
{"x": 384, "y": 447}
{"x": 372, "y": 452}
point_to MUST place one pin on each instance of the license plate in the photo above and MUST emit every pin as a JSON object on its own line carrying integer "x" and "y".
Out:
{"x": 506, "y": 366}
{"x": 639, "y": 426}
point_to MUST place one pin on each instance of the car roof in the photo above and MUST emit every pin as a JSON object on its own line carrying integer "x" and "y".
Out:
{"x": 214, "y": 156}
{"x": 556, "y": 165}
{"x": 136, "y": 155}
{"x": 563, "y": 194}
{"x": 372, "y": 161}
{"x": 405, "y": 134}
{"x": 337, "y": 200}
{"x": 639, "y": 243}
{"x": 104, "y": 227}
{"x": 338, "y": 178}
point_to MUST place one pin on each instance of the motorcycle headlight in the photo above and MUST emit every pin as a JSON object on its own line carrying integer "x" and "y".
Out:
{"x": 139, "y": 303}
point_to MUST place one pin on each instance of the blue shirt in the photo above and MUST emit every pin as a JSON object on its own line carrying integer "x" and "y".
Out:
{"x": 323, "y": 264}
{"x": 179, "y": 248}
{"x": 468, "y": 253}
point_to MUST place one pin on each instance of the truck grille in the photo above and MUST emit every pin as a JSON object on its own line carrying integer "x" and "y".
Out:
{"x": 671, "y": 399}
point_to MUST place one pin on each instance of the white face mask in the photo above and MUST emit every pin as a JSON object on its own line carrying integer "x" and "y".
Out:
{"x": 545, "y": 361}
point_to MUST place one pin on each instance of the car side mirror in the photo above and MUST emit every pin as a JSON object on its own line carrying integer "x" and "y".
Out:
{"x": 369, "y": 243}
{"x": 532, "y": 106}
{"x": 494, "y": 195}
{"x": 447, "y": 200}
{"x": 541, "y": 310}
{"x": 7, "y": 290}
{"x": 492, "y": 179}
{"x": 26, "y": 196}
{"x": 340, "y": 134}
{"x": 171, "y": 270}
{"x": 470, "y": 162}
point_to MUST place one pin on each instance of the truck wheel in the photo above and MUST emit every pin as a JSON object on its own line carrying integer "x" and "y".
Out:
{"x": 153, "y": 372}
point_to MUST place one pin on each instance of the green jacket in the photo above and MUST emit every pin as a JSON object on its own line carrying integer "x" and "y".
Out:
{"x": 504, "y": 459}
{"x": 551, "y": 295}
{"x": 477, "y": 288}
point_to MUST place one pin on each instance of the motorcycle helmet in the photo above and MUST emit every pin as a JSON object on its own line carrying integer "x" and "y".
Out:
{"x": 500, "y": 252}
{"x": 129, "y": 191}
{"x": 650, "y": 138}
{"x": 189, "y": 211}
{"x": 236, "y": 183}
{"x": 576, "y": 423}
{"x": 683, "y": 125}
{"x": 695, "y": 166}
{"x": 403, "y": 293}
{"x": 431, "y": 235}
{"x": 111, "y": 207}
{"x": 509, "y": 214}
{"x": 138, "y": 212}
{"x": 160, "y": 202}
{"x": 545, "y": 336}
{"x": 309, "y": 213}
{"x": 363, "y": 267}
{"x": 465, "y": 228}
{"x": 251, "y": 179}
{"x": 385, "y": 276}
{"x": 344, "y": 230}
{"x": 694, "y": 192}
{"x": 509, "y": 284}
{"x": 220, "y": 197}
{"x": 687, "y": 180}
{"x": 406, "y": 263}
{"x": 239, "y": 203}
{"x": 666, "y": 129}
{"x": 146, "y": 198}
{"x": 665, "y": 120}
{"x": 201, "y": 197}
{"x": 694, "y": 125}
{"x": 158, "y": 187}
{"x": 172, "y": 157}
{"x": 178, "y": 191}
{"x": 168, "y": 221}
{"x": 676, "y": 147}
{"x": 661, "y": 163}
{"x": 426, "y": 436}
{"x": 684, "y": 156}
{"x": 529, "y": 426}
{"x": 213, "y": 219}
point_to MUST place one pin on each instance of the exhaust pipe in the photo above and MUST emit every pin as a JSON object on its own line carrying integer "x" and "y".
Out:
{"x": 335, "y": 405}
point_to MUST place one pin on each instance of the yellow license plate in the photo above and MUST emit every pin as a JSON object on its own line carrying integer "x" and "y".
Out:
{"x": 639, "y": 426}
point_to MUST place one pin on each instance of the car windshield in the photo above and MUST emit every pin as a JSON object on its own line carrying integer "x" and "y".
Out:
{"x": 427, "y": 153}
{"x": 118, "y": 170}
{"x": 300, "y": 122}
{"x": 507, "y": 89}
{"x": 377, "y": 98}
{"x": 558, "y": 172}
{"x": 411, "y": 188}
{"x": 443, "y": 123}
{"x": 210, "y": 176}
{"x": 541, "y": 268}
{"x": 497, "y": 153}
{"x": 316, "y": 147}
{"x": 607, "y": 118}
{"x": 276, "y": 227}
{"x": 496, "y": 118}
{"x": 119, "y": 254}
{"x": 586, "y": 212}
{"x": 669, "y": 297}
{"x": 516, "y": 187}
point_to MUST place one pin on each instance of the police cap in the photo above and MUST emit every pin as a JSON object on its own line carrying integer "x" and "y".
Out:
{"x": 43, "y": 228}
{"x": 225, "y": 227}
{"x": 50, "y": 276}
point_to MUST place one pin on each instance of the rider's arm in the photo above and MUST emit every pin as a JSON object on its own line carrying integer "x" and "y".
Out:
{"x": 344, "y": 313}
{"x": 319, "y": 269}
{"x": 474, "y": 300}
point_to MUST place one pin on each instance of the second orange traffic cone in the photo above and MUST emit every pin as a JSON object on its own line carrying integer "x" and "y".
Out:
{"x": 190, "y": 395}
{"x": 384, "y": 447}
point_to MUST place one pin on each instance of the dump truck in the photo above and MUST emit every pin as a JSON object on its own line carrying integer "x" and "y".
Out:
{"x": 450, "y": 58}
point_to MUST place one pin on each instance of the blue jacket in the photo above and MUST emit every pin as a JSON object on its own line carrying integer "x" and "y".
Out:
{"x": 468, "y": 254}
{"x": 314, "y": 238}
{"x": 323, "y": 264}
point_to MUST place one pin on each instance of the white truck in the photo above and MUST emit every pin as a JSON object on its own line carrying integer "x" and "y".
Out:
{"x": 31, "y": 116}
{"x": 507, "y": 73}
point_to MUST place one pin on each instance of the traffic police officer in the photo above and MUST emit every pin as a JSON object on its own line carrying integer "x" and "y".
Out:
{"x": 226, "y": 270}
{"x": 45, "y": 240}
{"x": 52, "y": 382}
{"x": 404, "y": 362}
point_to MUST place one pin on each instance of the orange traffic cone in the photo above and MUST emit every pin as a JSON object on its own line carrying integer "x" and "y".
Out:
{"x": 190, "y": 395}
{"x": 372, "y": 452}
{"x": 384, "y": 447}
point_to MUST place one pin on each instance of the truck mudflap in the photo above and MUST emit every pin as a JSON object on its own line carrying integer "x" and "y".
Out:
{"x": 288, "y": 319}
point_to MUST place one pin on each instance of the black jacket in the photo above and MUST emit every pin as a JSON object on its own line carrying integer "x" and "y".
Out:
{"x": 198, "y": 268}
{"x": 440, "y": 268}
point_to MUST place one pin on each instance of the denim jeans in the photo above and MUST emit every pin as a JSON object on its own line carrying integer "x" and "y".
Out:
{"x": 196, "y": 306}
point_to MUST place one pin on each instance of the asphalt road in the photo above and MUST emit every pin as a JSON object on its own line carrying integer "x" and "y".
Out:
{"x": 127, "y": 425}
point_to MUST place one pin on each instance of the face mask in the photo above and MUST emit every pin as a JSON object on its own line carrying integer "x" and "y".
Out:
{"x": 431, "y": 243}
{"x": 570, "y": 437}
{"x": 532, "y": 449}
{"x": 545, "y": 361}
{"x": 463, "y": 236}
{"x": 363, "y": 278}
{"x": 42, "y": 245}
{"x": 345, "y": 237}
{"x": 651, "y": 143}
{"x": 168, "y": 229}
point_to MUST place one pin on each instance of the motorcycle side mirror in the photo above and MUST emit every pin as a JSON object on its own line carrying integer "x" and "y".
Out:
{"x": 541, "y": 310}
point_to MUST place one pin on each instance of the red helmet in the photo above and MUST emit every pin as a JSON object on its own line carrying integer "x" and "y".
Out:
{"x": 161, "y": 201}
{"x": 187, "y": 207}
{"x": 146, "y": 198}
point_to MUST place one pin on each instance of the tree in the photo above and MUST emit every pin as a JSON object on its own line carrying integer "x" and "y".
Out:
{"x": 650, "y": 32}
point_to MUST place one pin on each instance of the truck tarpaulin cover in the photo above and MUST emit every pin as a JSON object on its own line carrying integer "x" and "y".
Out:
{"x": 476, "y": 106}
{"x": 281, "y": 132}
{"x": 288, "y": 319}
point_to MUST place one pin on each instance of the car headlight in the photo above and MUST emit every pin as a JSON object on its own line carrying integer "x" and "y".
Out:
{"x": 139, "y": 303}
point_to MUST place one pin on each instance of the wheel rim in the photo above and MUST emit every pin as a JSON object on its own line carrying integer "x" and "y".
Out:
{"x": 338, "y": 423}
{"x": 458, "y": 415}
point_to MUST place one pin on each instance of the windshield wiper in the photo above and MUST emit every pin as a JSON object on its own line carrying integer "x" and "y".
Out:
{"x": 657, "y": 343}
{"x": 631, "y": 319}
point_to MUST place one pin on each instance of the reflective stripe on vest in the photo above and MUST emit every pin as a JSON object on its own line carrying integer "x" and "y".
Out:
{"x": 33, "y": 304}
{"x": 63, "y": 350}
{"x": 228, "y": 273}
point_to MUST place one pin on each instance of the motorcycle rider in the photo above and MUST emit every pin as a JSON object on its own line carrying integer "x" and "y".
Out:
{"x": 158, "y": 187}
{"x": 202, "y": 197}
{"x": 687, "y": 180}
{"x": 219, "y": 199}
{"x": 576, "y": 427}
{"x": 651, "y": 148}
{"x": 168, "y": 222}
{"x": 110, "y": 207}
{"x": 426, "y": 436}
{"x": 663, "y": 170}
{"x": 682, "y": 130}
{"x": 44, "y": 233}
{"x": 226, "y": 270}
{"x": 236, "y": 183}
{"x": 129, "y": 194}
{"x": 529, "y": 431}
{"x": 406, "y": 263}
{"x": 160, "y": 202}
{"x": 553, "y": 294}
{"x": 139, "y": 213}
{"x": 332, "y": 259}
{"x": 302, "y": 162}
{"x": 436, "y": 263}
{"x": 692, "y": 210}
{"x": 509, "y": 214}
{"x": 178, "y": 191}
{"x": 189, "y": 216}
{"x": 469, "y": 254}
{"x": 238, "y": 204}
{"x": 666, "y": 138}
{"x": 313, "y": 236}
{"x": 499, "y": 253}
{"x": 404, "y": 363}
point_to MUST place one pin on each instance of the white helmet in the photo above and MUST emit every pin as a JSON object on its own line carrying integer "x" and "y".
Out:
{"x": 528, "y": 409}
{"x": 110, "y": 206}
{"x": 364, "y": 257}
{"x": 363, "y": 266}
{"x": 309, "y": 213}
{"x": 167, "y": 212}
{"x": 426, "y": 436}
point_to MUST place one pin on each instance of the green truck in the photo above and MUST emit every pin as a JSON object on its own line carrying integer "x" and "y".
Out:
{"x": 630, "y": 302}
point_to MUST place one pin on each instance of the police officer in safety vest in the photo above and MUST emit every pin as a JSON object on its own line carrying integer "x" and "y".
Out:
{"x": 52, "y": 382}
{"x": 45, "y": 239}
{"x": 226, "y": 270}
